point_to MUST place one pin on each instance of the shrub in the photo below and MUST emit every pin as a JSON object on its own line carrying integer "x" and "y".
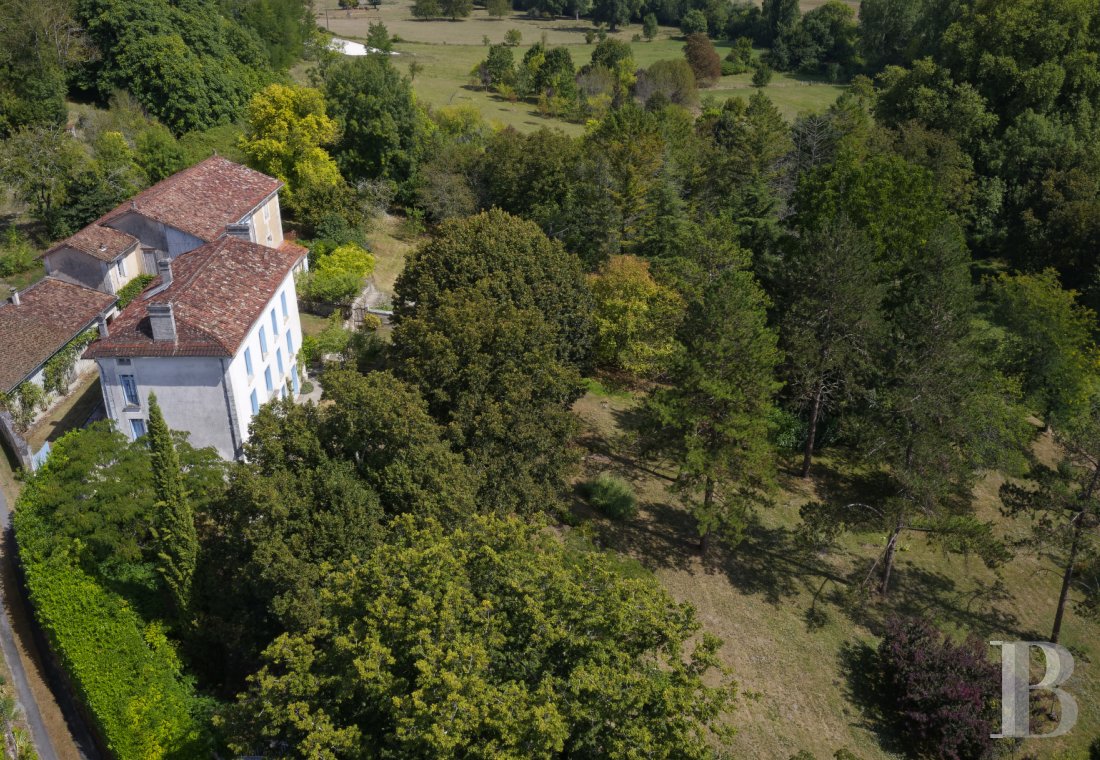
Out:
{"x": 649, "y": 27}
{"x": 611, "y": 496}
{"x": 308, "y": 354}
{"x": 16, "y": 253}
{"x": 703, "y": 59}
{"x": 762, "y": 75}
{"x": 333, "y": 339}
{"x": 589, "y": 37}
{"x": 941, "y": 695}
{"x": 513, "y": 37}
{"x": 337, "y": 275}
{"x": 28, "y": 397}
{"x": 131, "y": 290}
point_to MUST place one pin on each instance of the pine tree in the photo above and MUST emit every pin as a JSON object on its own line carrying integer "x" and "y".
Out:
{"x": 1064, "y": 505}
{"x": 712, "y": 419}
{"x": 175, "y": 540}
{"x": 834, "y": 289}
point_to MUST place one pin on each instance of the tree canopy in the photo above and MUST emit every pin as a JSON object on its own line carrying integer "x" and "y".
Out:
{"x": 420, "y": 645}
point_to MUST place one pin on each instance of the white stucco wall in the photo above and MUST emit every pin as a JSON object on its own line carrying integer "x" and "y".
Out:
{"x": 191, "y": 392}
{"x": 134, "y": 265}
{"x": 209, "y": 397}
{"x": 267, "y": 231}
{"x": 241, "y": 383}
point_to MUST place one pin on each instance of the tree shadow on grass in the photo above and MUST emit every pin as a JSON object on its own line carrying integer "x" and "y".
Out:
{"x": 661, "y": 536}
{"x": 858, "y": 662}
{"x": 770, "y": 563}
{"x": 930, "y": 593}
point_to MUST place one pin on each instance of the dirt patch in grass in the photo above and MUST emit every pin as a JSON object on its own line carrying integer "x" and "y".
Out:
{"x": 794, "y": 619}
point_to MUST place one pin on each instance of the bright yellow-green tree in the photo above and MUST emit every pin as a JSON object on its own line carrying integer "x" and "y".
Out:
{"x": 287, "y": 129}
{"x": 636, "y": 317}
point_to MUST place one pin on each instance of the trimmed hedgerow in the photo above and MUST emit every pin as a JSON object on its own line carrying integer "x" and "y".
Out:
{"x": 123, "y": 668}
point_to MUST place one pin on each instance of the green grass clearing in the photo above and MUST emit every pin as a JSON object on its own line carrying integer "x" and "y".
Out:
{"x": 448, "y": 51}
{"x": 789, "y": 618}
{"x": 389, "y": 251}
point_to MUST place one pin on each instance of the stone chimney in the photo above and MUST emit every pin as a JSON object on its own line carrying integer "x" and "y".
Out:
{"x": 163, "y": 321}
{"x": 241, "y": 231}
{"x": 103, "y": 331}
{"x": 164, "y": 269}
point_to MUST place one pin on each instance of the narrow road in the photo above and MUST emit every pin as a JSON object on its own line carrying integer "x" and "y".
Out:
{"x": 42, "y": 742}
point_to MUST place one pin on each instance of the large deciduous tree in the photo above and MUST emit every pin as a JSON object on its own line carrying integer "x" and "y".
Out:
{"x": 291, "y": 512}
{"x": 489, "y": 636}
{"x": 382, "y": 130}
{"x": 40, "y": 164}
{"x": 1050, "y": 346}
{"x": 287, "y": 131}
{"x": 493, "y": 377}
{"x": 515, "y": 263}
{"x": 382, "y": 425}
{"x": 636, "y": 317}
{"x": 615, "y": 13}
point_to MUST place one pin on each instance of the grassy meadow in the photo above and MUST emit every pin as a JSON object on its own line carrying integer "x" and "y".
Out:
{"x": 449, "y": 50}
{"x": 794, "y": 622}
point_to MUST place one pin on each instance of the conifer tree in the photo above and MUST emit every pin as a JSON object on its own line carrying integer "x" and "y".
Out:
{"x": 712, "y": 419}
{"x": 176, "y": 543}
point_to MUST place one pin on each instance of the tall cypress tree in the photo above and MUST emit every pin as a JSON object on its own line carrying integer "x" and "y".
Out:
{"x": 176, "y": 543}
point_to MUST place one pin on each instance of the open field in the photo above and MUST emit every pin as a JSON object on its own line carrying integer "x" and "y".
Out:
{"x": 448, "y": 52}
{"x": 791, "y": 655}
{"x": 389, "y": 250}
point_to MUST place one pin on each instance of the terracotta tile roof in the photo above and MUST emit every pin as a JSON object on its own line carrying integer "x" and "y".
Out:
{"x": 101, "y": 242}
{"x": 218, "y": 292}
{"x": 203, "y": 199}
{"x": 290, "y": 246}
{"x": 50, "y": 314}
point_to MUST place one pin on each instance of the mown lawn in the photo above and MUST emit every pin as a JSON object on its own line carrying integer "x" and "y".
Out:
{"x": 794, "y": 621}
{"x": 448, "y": 52}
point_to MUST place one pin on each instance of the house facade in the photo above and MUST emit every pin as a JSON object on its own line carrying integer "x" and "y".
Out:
{"x": 215, "y": 336}
{"x": 97, "y": 257}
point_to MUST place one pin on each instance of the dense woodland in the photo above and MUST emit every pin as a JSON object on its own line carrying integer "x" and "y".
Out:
{"x": 909, "y": 277}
